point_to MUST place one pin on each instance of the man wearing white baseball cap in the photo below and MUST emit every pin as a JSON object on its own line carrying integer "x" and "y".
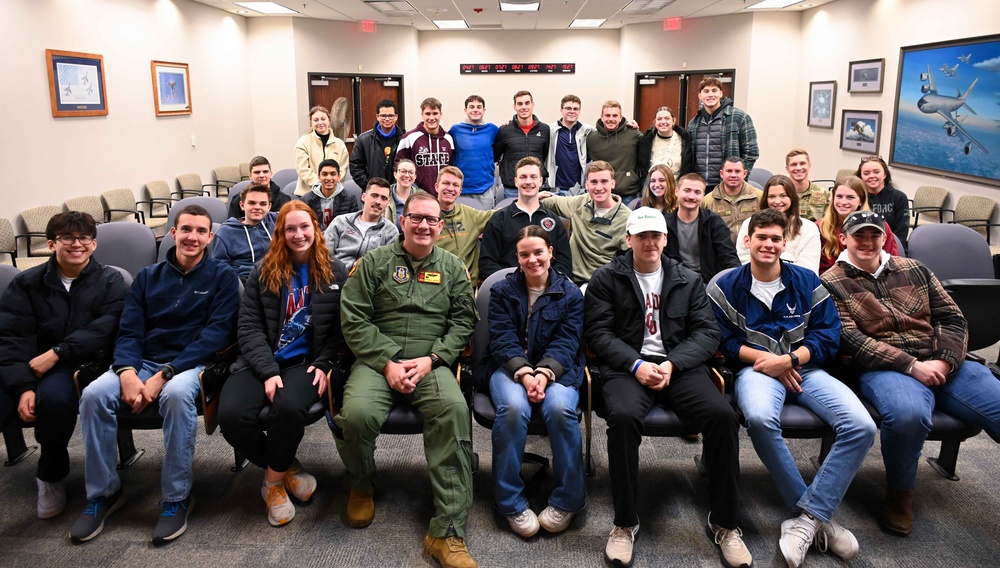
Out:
{"x": 651, "y": 326}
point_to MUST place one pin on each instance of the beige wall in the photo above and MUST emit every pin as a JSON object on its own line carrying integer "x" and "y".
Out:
{"x": 47, "y": 160}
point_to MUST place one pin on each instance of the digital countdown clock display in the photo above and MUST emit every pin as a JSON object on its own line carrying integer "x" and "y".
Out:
{"x": 499, "y": 68}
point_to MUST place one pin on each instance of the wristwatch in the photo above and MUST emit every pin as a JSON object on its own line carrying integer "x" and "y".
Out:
{"x": 795, "y": 359}
{"x": 59, "y": 350}
{"x": 436, "y": 361}
{"x": 167, "y": 372}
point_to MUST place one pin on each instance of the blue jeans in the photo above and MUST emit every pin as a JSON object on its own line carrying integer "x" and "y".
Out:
{"x": 509, "y": 192}
{"x": 761, "y": 398}
{"x": 100, "y": 404}
{"x": 972, "y": 395}
{"x": 510, "y": 433}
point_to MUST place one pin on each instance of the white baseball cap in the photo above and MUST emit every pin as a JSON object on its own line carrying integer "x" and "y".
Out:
{"x": 646, "y": 219}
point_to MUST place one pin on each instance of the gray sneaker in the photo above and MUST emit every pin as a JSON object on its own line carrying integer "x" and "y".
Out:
{"x": 796, "y": 537}
{"x": 734, "y": 552}
{"x": 280, "y": 510}
{"x": 621, "y": 541}
{"x": 173, "y": 520}
{"x": 51, "y": 498}
{"x": 554, "y": 520}
{"x": 91, "y": 522}
{"x": 298, "y": 483}
{"x": 838, "y": 540}
{"x": 524, "y": 523}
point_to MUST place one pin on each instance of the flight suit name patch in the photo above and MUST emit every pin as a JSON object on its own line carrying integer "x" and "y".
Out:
{"x": 429, "y": 277}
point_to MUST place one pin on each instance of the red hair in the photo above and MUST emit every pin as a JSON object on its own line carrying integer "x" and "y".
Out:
{"x": 276, "y": 267}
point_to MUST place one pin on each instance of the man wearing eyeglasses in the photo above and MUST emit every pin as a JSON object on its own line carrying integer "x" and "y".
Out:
{"x": 54, "y": 317}
{"x": 568, "y": 149}
{"x": 407, "y": 312}
{"x": 375, "y": 150}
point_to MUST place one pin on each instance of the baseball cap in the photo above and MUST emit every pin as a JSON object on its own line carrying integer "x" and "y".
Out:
{"x": 646, "y": 219}
{"x": 860, "y": 219}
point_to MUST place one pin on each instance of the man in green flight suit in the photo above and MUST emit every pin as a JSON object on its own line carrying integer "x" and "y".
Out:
{"x": 406, "y": 341}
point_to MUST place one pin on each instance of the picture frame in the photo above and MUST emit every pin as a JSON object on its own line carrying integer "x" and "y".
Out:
{"x": 171, "y": 88}
{"x": 866, "y": 76}
{"x": 860, "y": 130}
{"x": 946, "y": 115}
{"x": 77, "y": 85}
{"x": 822, "y": 104}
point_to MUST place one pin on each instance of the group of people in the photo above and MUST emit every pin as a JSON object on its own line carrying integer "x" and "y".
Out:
{"x": 387, "y": 285}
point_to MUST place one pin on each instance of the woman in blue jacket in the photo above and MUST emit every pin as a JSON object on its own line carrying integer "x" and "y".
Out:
{"x": 536, "y": 326}
{"x": 289, "y": 335}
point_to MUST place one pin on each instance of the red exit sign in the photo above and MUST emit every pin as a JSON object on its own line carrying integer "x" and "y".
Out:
{"x": 671, "y": 24}
{"x": 368, "y": 26}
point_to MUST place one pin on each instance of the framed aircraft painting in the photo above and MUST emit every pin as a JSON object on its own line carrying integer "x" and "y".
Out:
{"x": 860, "y": 130}
{"x": 947, "y": 114}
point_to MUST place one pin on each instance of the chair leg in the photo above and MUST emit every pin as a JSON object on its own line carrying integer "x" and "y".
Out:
{"x": 589, "y": 465}
{"x": 17, "y": 449}
{"x": 127, "y": 454}
{"x": 947, "y": 459}
{"x": 240, "y": 461}
{"x": 824, "y": 450}
{"x": 699, "y": 462}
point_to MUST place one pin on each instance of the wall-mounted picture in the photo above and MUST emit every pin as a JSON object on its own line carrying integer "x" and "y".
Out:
{"x": 76, "y": 84}
{"x": 171, "y": 88}
{"x": 865, "y": 76}
{"x": 822, "y": 103}
{"x": 860, "y": 130}
{"x": 947, "y": 114}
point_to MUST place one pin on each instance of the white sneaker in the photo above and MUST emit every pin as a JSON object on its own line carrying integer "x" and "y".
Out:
{"x": 621, "y": 541}
{"x": 554, "y": 520}
{"x": 280, "y": 510}
{"x": 734, "y": 551}
{"x": 838, "y": 540}
{"x": 796, "y": 537}
{"x": 51, "y": 498}
{"x": 300, "y": 484}
{"x": 524, "y": 523}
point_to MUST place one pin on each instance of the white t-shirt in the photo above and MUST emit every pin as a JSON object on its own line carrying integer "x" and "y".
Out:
{"x": 66, "y": 281}
{"x": 651, "y": 285}
{"x": 766, "y": 291}
{"x": 363, "y": 226}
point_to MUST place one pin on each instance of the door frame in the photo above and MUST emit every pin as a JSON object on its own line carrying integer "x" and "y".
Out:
{"x": 356, "y": 90}
{"x": 681, "y": 117}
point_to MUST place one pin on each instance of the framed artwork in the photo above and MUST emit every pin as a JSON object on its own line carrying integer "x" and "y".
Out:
{"x": 947, "y": 119}
{"x": 822, "y": 104}
{"x": 76, "y": 84}
{"x": 171, "y": 88}
{"x": 865, "y": 76}
{"x": 860, "y": 130}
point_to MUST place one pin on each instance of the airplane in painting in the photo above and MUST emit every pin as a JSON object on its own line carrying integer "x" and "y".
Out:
{"x": 965, "y": 59}
{"x": 943, "y": 105}
{"x": 949, "y": 71}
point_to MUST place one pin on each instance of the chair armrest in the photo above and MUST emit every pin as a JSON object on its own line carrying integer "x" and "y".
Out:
{"x": 28, "y": 237}
{"x": 916, "y": 211}
{"x": 150, "y": 203}
{"x": 218, "y": 186}
{"x": 944, "y": 210}
{"x": 192, "y": 192}
{"x": 140, "y": 217}
{"x": 87, "y": 373}
{"x": 974, "y": 224}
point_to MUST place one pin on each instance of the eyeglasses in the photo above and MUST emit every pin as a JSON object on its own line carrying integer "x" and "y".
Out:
{"x": 571, "y": 109}
{"x": 870, "y": 158}
{"x": 407, "y": 172}
{"x": 417, "y": 218}
{"x": 69, "y": 240}
{"x": 386, "y": 116}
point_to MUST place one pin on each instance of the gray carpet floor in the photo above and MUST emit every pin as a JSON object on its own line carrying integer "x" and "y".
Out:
{"x": 957, "y": 523}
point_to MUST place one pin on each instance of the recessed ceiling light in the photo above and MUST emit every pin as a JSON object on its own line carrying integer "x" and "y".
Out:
{"x": 266, "y": 7}
{"x": 647, "y": 5}
{"x": 585, "y": 23}
{"x": 773, "y": 4}
{"x": 451, "y": 24}
{"x": 391, "y": 6}
{"x": 519, "y": 6}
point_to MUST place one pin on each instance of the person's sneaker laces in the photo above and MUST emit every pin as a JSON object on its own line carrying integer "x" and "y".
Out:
{"x": 554, "y": 520}
{"x": 51, "y": 498}
{"x": 621, "y": 542}
{"x": 524, "y": 523}
{"x": 280, "y": 510}
{"x": 299, "y": 484}
{"x": 173, "y": 520}
{"x": 838, "y": 540}
{"x": 796, "y": 537}
{"x": 91, "y": 522}
{"x": 734, "y": 551}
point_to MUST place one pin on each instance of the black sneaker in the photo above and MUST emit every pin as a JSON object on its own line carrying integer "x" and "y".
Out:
{"x": 91, "y": 522}
{"x": 173, "y": 520}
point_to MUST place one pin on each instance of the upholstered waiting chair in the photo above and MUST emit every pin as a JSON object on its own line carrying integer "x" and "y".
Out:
{"x": 129, "y": 246}
{"x": 8, "y": 244}
{"x": 844, "y": 172}
{"x": 244, "y": 170}
{"x": 976, "y": 211}
{"x": 234, "y": 193}
{"x": 90, "y": 204}
{"x": 216, "y": 209}
{"x": 158, "y": 199}
{"x": 951, "y": 251}
{"x": 759, "y": 175}
{"x": 189, "y": 185}
{"x": 927, "y": 204}
{"x": 281, "y": 178}
{"x": 35, "y": 220}
{"x": 225, "y": 178}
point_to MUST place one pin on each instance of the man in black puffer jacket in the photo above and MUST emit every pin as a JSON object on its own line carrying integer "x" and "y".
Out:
{"x": 375, "y": 151}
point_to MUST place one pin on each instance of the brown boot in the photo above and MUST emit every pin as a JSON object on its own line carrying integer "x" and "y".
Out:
{"x": 360, "y": 509}
{"x": 897, "y": 512}
{"x": 450, "y": 552}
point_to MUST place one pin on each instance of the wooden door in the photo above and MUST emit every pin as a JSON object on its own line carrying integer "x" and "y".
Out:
{"x": 692, "y": 80}
{"x": 325, "y": 89}
{"x": 653, "y": 90}
{"x": 373, "y": 90}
